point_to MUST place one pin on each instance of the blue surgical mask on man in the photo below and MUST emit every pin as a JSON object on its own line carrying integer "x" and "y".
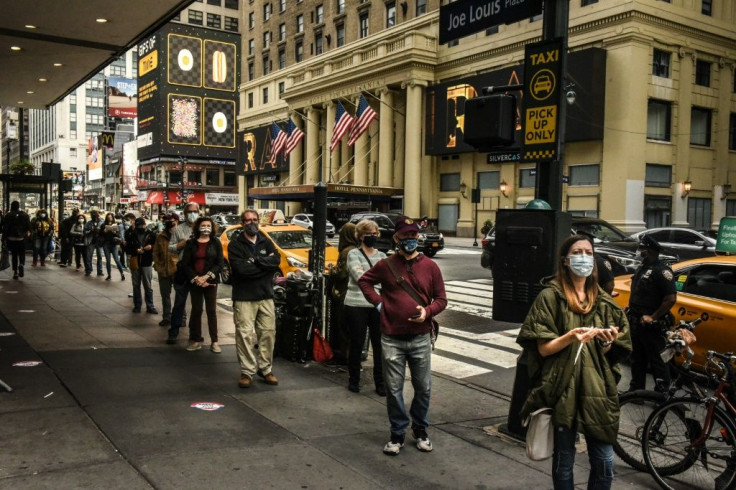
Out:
{"x": 581, "y": 265}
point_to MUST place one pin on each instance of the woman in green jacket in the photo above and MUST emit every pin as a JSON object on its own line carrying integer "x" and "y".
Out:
{"x": 574, "y": 337}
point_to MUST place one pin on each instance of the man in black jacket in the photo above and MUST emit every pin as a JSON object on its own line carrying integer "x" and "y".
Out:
{"x": 139, "y": 246}
{"x": 16, "y": 229}
{"x": 253, "y": 260}
{"x": 67, "y": 248}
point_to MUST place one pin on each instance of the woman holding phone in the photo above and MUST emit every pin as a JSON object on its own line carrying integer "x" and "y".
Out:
{"x": 574, "y": 337}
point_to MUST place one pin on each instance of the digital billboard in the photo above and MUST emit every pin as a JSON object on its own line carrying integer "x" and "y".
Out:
{"x": 130, "y": 169}
{"x": 94, "y": 159}
{"x": 187, "y": 93}
{"x": 122, "y": 97}
{"x": 254, "y": 151}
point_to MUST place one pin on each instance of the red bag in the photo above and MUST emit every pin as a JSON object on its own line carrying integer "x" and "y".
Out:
{"x": 321, "y": 350}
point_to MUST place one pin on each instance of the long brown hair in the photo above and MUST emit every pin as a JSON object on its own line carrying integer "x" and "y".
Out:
{"x": 564, "y": 277}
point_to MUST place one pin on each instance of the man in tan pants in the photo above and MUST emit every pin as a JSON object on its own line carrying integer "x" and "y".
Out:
{"x": 253, "y": 260}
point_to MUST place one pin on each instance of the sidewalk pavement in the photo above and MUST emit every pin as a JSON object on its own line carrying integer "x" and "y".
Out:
{"x": 109, "y": 406}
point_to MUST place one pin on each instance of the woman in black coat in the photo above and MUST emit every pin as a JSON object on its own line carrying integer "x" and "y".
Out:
{"x": 201, "y": 264}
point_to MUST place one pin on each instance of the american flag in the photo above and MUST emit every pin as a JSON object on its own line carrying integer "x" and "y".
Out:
{"x": 364, "y": 116}
{"x": 295, "y": 135}
{"x": 278, "y": 141}
{"x": 343, "y": 122}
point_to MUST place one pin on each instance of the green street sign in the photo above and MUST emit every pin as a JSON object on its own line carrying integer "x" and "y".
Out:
{"x": 726, "y": 236}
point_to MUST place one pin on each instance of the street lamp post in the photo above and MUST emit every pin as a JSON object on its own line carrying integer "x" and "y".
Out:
{"x": 182, "y": 163}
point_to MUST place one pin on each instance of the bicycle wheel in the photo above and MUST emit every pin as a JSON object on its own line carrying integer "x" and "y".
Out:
{"x": 675, "y": 461}
{"x": 636, "y": 407}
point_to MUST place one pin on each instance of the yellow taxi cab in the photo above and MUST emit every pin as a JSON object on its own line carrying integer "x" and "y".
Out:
{"x": 706, "y": 288}
{"x": 292, "y": 241}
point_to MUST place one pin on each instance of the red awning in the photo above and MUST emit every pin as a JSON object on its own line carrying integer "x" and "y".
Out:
{"x": 174, "y": 197}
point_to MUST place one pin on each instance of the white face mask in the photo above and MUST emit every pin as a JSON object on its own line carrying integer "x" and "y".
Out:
{"x": 205, "y": 230}
{"x": 192, "y": 216}
{"x": 581, "y": 265}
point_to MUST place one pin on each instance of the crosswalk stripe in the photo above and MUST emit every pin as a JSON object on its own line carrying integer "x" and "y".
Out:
{"x": 481, "y": 281}
{"x": 470, "y": 285}
{"x": 456, "y": 369}
{"x": 484, "y": 353}
{"x": 493, "y": 338}
{"x": 474, "y": 310}
{"x": 474, "y": 293}
{"x": 459, "y": 251}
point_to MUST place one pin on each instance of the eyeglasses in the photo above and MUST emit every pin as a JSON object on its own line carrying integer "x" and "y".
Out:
{"x": 252, "y": 220}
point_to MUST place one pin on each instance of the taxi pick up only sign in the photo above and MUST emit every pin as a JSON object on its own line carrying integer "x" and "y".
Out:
{"x": 465, "y": 17}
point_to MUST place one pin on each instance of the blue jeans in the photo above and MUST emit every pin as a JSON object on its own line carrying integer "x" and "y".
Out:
{"x": 179, "y": 311}
{"x": 88, "y": 262}
{"x": 600, "y": 456}
{"x": 397, "y": 353}
{"x": 41, "y": 248}
{"x": 144, "y": 276}
{"x": 112, "y": 249}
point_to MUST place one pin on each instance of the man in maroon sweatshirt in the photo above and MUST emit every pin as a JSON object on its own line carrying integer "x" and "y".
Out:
{"x": 405, "y": 330}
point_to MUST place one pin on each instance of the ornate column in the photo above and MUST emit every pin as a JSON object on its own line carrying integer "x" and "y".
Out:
{"x": 397, "y": 173}
{"x": 362, "y": 155}
{"x": 296, "y": 157}
{"x": 311, "y": 174}
{"x": 413, "y": 147}
{"x": 682, "y": 138}
{"x": 332, "y": 158}
{"x": 385, "y": 137}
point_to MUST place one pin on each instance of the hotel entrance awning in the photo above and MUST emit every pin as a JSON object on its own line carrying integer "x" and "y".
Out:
{"x": 306, "y": 192}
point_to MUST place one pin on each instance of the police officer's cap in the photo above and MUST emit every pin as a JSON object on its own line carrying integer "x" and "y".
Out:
{"x": 649, "y": 242}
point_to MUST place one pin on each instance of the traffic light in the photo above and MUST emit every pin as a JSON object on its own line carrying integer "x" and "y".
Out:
{"x": 490, "y": 121}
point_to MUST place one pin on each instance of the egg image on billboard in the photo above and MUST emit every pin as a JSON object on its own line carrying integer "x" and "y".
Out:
{"x": 219, "y": 122}
{"x": 185, "y": 60}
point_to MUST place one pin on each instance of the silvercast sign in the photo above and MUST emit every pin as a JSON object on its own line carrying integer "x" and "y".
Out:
{"x": 465, "y": 17}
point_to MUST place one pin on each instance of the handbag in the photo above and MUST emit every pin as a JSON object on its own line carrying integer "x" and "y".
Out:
{"x": 435, "y": 327}
{"x": 4, "y": 260}
{"x": 133, "y": 262}
{"x": 540, "y": 436}
{"x": 321, "y": 350}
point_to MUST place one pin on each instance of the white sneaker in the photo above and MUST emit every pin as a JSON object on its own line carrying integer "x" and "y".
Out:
{"x": 194, "y": 346}
{"x": 215, "y": 348}
{"x": 423, "y": 442}
{"x": 393, "y": 447}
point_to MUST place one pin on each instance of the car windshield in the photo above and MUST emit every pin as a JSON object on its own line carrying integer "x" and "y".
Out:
{"x": 288, "y": 240}
{"x": 230, "y": 219}
{"x": 602, "y": 232}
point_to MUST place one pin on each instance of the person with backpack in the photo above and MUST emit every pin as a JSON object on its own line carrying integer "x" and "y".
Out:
{"x": 42, "y": 229}
{"x": 16, "y": 228}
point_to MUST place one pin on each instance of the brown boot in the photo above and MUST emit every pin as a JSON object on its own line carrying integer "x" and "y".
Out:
{"x": 245, "y": 381}
{"x": 270, "y": 379}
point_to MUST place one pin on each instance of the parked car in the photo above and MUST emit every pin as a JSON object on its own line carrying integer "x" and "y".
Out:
{"x": 223, "y": 220}
{"x": 293, "y": 243}
{"x": 706, "y": 288}
{"x": 683, "y": 243}
{"x": 307, "y": 221}
{"x": 610, "y": 243}
{"x": 429, "y": 242}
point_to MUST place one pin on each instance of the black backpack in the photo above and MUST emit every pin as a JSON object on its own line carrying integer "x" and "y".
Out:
{"x": 341, "y": 275}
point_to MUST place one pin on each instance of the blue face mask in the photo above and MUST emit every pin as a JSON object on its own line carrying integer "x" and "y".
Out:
{"x": 581, "y": 265}
{"x": 408, "y": 245}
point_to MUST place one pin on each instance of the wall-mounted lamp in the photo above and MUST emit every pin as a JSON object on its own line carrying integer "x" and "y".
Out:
{"x": 404, "y": 7}
{"x": 686, "y": 186}
{"x": 570, "y": 94}
{"x": 725, "y": 190}
{"x": 503, "y": 187}
{"x": 464, "y": 190}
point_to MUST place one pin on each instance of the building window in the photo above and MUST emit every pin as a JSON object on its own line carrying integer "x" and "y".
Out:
{"x": 282, "y": 88}
{"x": 73, "y": 116}
{"x": 527, "y": 177}
{"x": 282, "y": 32}
{"x": 214, "y": 20}
{"x": 232, "y": 4}
{"x": 266, "y": 65}
{"x": 194, "y": 176}
{"x": 657, "y": 211}
{"x": 700, "y": 126}
{"x": 299, "y": 52}
{"x": 213, "y": 177}
{"x": 266, "y": 11}
{"x": 731, "y": 207}
{"x": 251, "y": 71}
{"x": 72, "y": 134}
{"x": 266, "y": 39}
{"x": 231, "y": 24}
{"x": 658, "y": 175}
{"x": 363, "y": 24}
{"x": 195, "y": 17}
{"x": 340, "y": 35}
{"x": 229, "y": 178}
{"x": 698, "y": 213}
{"x": 585, "y": 174}
{"x": 320, "y": 11}
{"x": 282, "y": 59}
{"x": 340, "y": 6}
{"x": 489, "y": 180}
{"x": 702, "y": 73}
{"x": 250, "y": 100}
{"x": 732, "y": 132}
{"x": 421, "y": 7}
{"x": 449, "y": 182}
{"x": 318, "y": 43}
{"x": 214, "y": 2}
{"x": 300, "y": 23}
{"x": 251, "y": 46}
{"x": 282, "y": 5}
{"x": 251, "y": 20}
{"x": 265, "y": 95}
{"x": 707, "y": 7}
{"x": 492, "y": 30}
{"x": 73, "y": 152}
{"x": 659, "y": 115}
{"x": 583, "y": 3}
{"x": 661, "y": 64}
{"x": 390, "y": 14}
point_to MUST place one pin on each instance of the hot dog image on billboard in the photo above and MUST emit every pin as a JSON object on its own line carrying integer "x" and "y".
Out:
{"x": 185, "y": 60}
{"x": 219, "y": 65}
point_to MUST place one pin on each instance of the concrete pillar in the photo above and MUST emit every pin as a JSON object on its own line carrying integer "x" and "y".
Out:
{"x": 682, "y": 130}
{"x": 373, "y": 153}
{"x": 296, "y": 157}
{"x": 332, "y": 158}
{"x": 362, "y": 155}
{"x": 313, "y": 151}
{"x": 386, "y": 138}
{"x": 413, "y": 146}
{"x": 397, "y": 175}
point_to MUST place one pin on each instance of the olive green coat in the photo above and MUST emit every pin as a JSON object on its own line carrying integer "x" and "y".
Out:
{"x": 582, "y": 393}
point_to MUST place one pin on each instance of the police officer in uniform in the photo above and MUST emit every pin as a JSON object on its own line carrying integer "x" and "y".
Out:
{"x": 653, "y": 293}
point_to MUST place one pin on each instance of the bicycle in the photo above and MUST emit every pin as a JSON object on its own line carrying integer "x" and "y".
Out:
{"x": 690, "y": 442}
{"x": 636, "y": 406}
